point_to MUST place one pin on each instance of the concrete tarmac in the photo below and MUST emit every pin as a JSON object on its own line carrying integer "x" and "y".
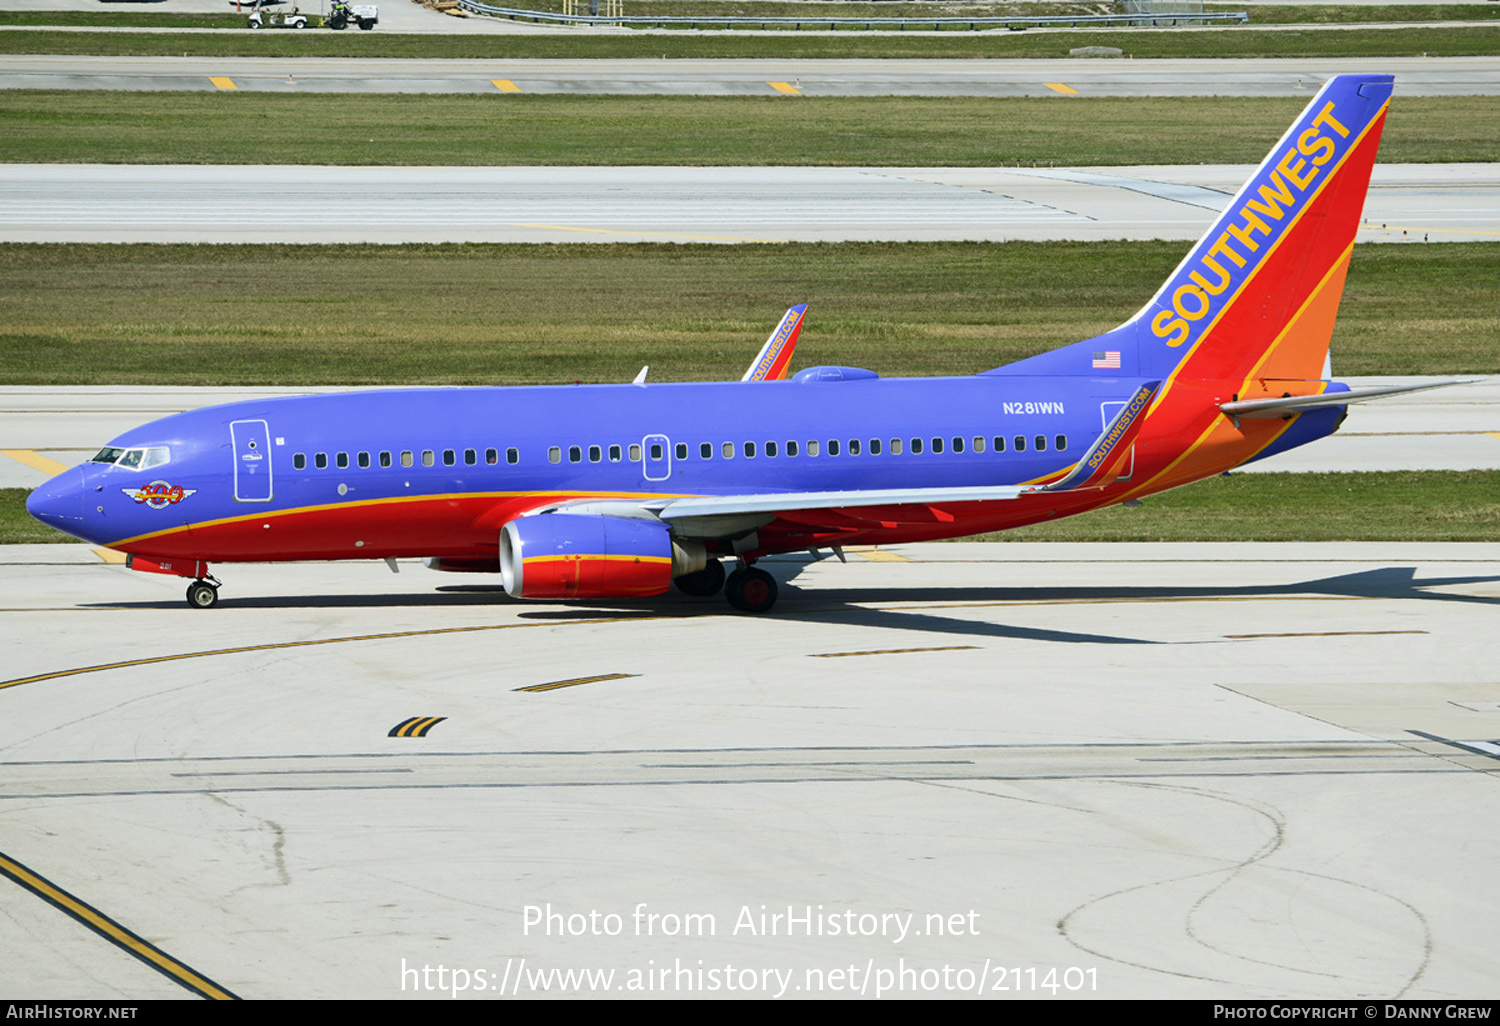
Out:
{"x": 1062, "y": 78}
{"x": 281, "y": 203}
{"x": 1018, "y": 770}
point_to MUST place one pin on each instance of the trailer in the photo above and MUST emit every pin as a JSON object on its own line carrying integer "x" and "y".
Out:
{"x": 279, "y": 19}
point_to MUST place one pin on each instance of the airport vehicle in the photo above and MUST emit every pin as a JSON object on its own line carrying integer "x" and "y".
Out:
{"x": 279, "y": 19}
{"x": 341, "y": 13}
{"x": 608, "y": 491}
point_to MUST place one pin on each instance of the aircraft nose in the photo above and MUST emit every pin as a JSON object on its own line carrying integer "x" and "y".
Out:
{"x": 59, "y": 502}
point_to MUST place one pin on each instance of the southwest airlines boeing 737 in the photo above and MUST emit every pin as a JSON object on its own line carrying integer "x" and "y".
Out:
{"x": 603, "y": 491}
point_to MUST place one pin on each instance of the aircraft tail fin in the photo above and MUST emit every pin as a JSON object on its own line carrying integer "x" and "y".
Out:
{"x": 1258, "y": 294}
{"x": 771, "y": 363}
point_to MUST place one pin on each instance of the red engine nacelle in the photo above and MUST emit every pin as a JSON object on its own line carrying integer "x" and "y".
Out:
{"x": 562, "y": 555}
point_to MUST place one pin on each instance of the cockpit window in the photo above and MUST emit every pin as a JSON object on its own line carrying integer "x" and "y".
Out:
{"x": 134, "y": 459}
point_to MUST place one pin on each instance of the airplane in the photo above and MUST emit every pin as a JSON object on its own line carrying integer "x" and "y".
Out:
{"x": 625, "y": 490}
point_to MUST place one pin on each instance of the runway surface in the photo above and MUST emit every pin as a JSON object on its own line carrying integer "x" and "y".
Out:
{"x": 1454, "y": 428}
{"x": 1415, "y": 76}
{"x": 228, "y": 203}
{"x": 1188, "y": 771}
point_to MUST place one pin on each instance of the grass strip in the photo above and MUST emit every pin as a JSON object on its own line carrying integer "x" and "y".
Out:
{"x": 518, "y": 314}
{"x": 46, "y": 126}
{"x": 1260, "y": 14}
{"x": 1437, "y": 505}
{"x": 1454, "y": 41}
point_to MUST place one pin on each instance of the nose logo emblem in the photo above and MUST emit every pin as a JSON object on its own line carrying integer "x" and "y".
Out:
{"x": 159, "y": 494}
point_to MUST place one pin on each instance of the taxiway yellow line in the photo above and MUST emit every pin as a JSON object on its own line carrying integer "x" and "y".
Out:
{"x": 1493, "y": 434}
{"x": 35, "y": 461}
{"x": 113, "y": 932}
{"x": 878, "y": 555}
{"x": 554, "y": 685}
{"x": 1058, "y": 87}
{"x": 505, "y": 85}
{"x": 111, "y": 555}
{"x": 891, "y": 651}
{"x": 785, "y": 88}
{"x": 153, "y": 660}
{"x": 220, "y": 82}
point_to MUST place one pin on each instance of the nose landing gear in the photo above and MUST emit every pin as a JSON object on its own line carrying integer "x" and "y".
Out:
{"x": 203, "y": 594}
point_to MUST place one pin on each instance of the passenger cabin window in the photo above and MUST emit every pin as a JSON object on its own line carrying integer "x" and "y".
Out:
{"x": 320, "y": 460}
{"x": 874, "y": 447}
{"x": 363, "y": 459}
{"x": 958, "y": 444}
{"x": 854, "y": 447}
{"x": 385, "y": 458}
{"x": 471, "y": 457}
{"x": 514, "y": 456}
{"x": 615, "y": 454}
{"x": 728, "y": 450}
{"x": 342, "y": 461}
{"x": 1041, "y": 443}
{"x": 492, "y": 456}
{"x": 937, "y": 445}
{"x": 916, "y": 447}
{"x": 299, "y": 461}
{"x": 833, "y": 447}
{"x": 1062, "y": 442}
{"x": 978, "y": 443}
{"x": 812, "y": 447}
{"x": 791, "y": 447}
{"x": 450, "y": 458}
{"x": 657, "y": 451}
{"x": 575, "y": 454}
{"x": 554, "y": 454}
{"x": 771, "y": 450}
{"x": 681, "y": 449}
{"x": 706, "y": 450}
{"x": 429, "y": 458}
{"x": 1020, "y": 443}
{"x": 406, "y": 458}
{"x": 749, "y": 450}
{"x": 999, "y": 443}
{"x": 635, "y": 452}
{"x": 895, "y": 447}
{"x": 596, "y": 454}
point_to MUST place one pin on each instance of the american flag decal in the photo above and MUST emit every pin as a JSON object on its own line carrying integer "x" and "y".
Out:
{"x": 1107, "y": 361}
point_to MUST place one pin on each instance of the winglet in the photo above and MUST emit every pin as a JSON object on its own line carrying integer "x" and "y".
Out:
{"x": 1102, "y": 464}
{"x": 771, "y": 363}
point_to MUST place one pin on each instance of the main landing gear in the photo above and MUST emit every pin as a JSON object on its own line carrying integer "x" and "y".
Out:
{"x": 203, "y": 593}
{"x": 747, "y": 589}
{"x": 751, "y": 590}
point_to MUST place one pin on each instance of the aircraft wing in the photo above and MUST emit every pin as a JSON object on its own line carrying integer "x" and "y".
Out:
{"x": 717, "y": 515}
{"x": 771, "y": 363}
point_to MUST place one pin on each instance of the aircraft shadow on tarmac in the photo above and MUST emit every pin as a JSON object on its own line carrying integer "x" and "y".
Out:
{"x": 847, "y": 606}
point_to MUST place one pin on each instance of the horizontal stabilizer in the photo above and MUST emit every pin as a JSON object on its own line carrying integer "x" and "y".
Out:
{"x": 1284, "y": 406}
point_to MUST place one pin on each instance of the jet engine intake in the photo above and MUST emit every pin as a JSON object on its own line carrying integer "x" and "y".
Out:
{"x": 567, "y": 556}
